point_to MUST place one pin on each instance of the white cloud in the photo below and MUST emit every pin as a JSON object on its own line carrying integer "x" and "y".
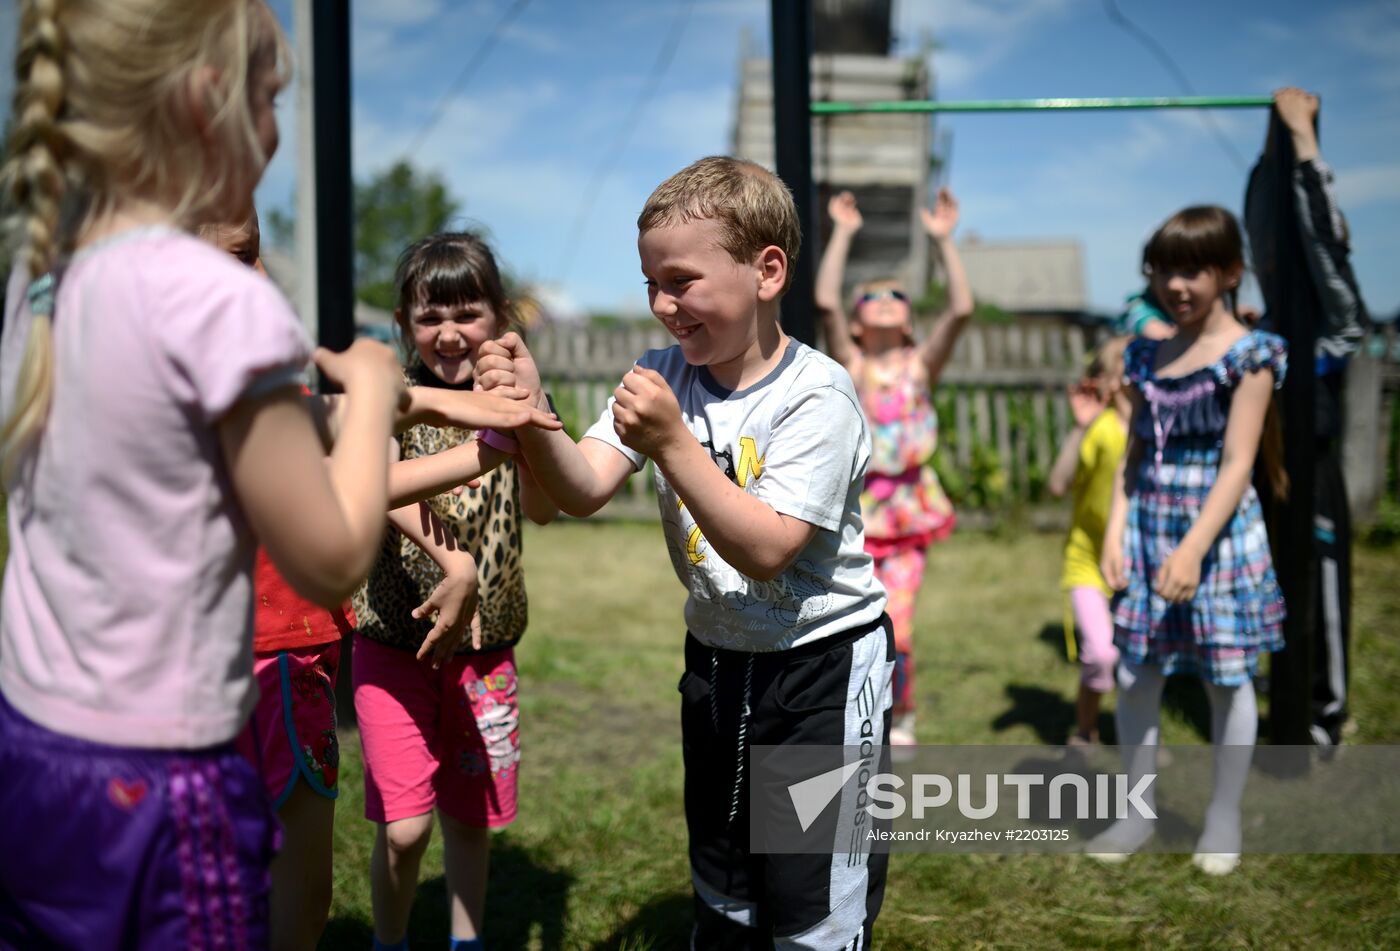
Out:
{"x": 388, "y": 36}
{"x": 691, "y": 122}
{"x": 1373, "y": 32}
{"x": 398, "y": 13}
{"x": 986, "y": 18}
{"x": 1271, "y": 31}
{"x": 537, "y": 40}
{"x": 471, "y": 126}
{"x": 956, "y": 69}
{"x": 973, "y": 38}
{"x": 1368, "y": 183}
{"x": 1108, "y": 186}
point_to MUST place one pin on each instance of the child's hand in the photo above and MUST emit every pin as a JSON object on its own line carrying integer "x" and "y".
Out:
{"x": 646, "y": 416}
{"x": 505, "y": 362}
{"x": 1179, "y": 576}
{"x": 455, "y": 601}
{"x": 494, "y": 369}
{"x": 844, "y": 212}
{"x": 942, "y": 218}
{"x": 1111, "y": 564}
{"x": 1086, "y": 403}
{"x": 365, "y": 366}
{"x": 1297, "y": 108}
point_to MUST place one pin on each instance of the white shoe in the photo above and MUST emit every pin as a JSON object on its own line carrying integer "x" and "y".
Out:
{"x": 1216, "y": 863}
{"x": 1115, "y": 844}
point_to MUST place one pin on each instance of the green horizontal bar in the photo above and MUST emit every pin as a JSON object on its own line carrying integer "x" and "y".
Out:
{"x": 1036, "y": 105}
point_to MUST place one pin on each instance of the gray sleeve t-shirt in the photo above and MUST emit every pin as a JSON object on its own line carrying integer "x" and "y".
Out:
{"x": 797, "y": 440}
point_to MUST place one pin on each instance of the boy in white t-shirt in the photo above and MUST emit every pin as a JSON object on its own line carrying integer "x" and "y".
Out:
{"x": 761, "y": 450}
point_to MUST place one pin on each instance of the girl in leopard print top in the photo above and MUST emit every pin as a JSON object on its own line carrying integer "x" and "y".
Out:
{"x": 449, "y": 737}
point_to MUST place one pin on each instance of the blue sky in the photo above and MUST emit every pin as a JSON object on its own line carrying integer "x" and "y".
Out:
{"x": 520, "y": 144}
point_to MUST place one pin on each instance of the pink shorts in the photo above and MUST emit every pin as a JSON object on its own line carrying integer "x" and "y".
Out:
{"x": 448, "y": 738}
{"x": 291, "y": 733}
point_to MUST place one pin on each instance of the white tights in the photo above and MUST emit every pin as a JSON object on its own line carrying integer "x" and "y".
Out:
{"x": 1234, "y": 726}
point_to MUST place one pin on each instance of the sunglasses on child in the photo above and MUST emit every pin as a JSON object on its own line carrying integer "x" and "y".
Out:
{"x": 888, "y": 293}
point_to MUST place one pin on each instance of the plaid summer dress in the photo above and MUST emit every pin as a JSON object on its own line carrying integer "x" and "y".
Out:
{"x": 1238, "y": 609}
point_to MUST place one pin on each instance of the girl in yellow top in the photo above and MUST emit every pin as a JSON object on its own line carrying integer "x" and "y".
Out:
{"x": 1086, "y": 465}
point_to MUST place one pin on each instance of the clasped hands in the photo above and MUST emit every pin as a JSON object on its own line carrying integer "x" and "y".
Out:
{"x": 646, "y": 415}
{"x": 1177, "y": 578}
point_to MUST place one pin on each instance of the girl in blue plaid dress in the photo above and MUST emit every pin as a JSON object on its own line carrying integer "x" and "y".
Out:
{"x": 1185, "y": 547}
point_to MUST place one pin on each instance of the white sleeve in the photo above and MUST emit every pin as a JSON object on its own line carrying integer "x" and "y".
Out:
{"x": 603, "y": 431}
{"x": 811, "y": 459}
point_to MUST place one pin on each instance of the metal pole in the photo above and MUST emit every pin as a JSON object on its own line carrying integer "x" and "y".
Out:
{"x": 1041, "y": 105}
{"x": 792, "y": 145}
{"x": 335, "y": 213}
{"x": 305, "y": 236}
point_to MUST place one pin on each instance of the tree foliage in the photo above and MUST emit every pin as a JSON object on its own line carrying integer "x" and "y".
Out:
{"x": 392, "y": 210}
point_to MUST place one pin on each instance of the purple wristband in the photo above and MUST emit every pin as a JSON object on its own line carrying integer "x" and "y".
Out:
{"x": 498, "y": 441}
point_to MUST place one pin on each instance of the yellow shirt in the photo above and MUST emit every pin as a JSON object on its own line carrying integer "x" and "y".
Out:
{"x": 1103, "y": 446}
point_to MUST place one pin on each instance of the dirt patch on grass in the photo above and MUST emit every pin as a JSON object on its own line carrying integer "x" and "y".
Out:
{"x": 590, "y": 729}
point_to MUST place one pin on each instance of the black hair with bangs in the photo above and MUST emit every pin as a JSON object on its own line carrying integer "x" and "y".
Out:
{"x": 450, "y": 268}
{"x": 1194, "y": 239}
{"x": 1202, "y": 236}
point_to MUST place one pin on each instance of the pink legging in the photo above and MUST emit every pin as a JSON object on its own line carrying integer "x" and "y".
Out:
{"x": 901, "y": 570}
{"x": 1097, "y": 655}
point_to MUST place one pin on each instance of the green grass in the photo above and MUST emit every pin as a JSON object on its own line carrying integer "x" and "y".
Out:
{"x": 597, "y": 858}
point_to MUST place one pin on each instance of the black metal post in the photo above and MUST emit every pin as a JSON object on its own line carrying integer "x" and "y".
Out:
{"x": 792, "y": 142}
{"x": 335, "y": 199}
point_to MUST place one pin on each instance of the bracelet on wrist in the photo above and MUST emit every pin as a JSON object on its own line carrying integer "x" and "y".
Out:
{"x": 500, "y": 441}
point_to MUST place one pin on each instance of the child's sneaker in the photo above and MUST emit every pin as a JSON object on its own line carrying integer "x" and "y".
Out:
{"x": 902, "y": 738}
{"x": 1115, "y": 844}
{"x": 1216, "y": 863}
{"x": 902, "y": 730}
{"x": 1079, "y": 747}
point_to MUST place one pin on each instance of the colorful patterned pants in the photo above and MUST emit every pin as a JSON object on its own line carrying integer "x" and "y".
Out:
{"x": 900, "y": 569}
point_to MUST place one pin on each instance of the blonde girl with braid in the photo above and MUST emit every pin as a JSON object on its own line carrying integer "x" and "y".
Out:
{"x": 153, "y": 425}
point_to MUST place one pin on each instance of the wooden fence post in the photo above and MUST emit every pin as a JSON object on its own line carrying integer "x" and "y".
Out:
{"x": 1364, "y": 440}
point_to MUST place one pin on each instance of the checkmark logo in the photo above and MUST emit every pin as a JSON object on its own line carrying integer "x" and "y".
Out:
{"x": 811, "y": 796}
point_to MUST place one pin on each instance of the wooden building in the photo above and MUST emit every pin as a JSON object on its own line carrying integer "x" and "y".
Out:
{"x": 883, "y": 159}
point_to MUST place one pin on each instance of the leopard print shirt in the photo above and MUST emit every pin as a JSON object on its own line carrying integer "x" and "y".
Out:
{"x": 486, "y": 521}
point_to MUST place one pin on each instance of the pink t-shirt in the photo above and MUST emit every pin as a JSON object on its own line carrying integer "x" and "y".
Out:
{"x": 127, "y": 603}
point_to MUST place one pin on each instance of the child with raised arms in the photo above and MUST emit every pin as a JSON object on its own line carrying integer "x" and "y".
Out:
{"x": 761, "y": 451}
{"x": 904, "y": 506}
{"x": 1186, "y": 547}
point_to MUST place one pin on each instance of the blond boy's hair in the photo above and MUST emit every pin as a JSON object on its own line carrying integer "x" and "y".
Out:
{"x": 752, "y": 206}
